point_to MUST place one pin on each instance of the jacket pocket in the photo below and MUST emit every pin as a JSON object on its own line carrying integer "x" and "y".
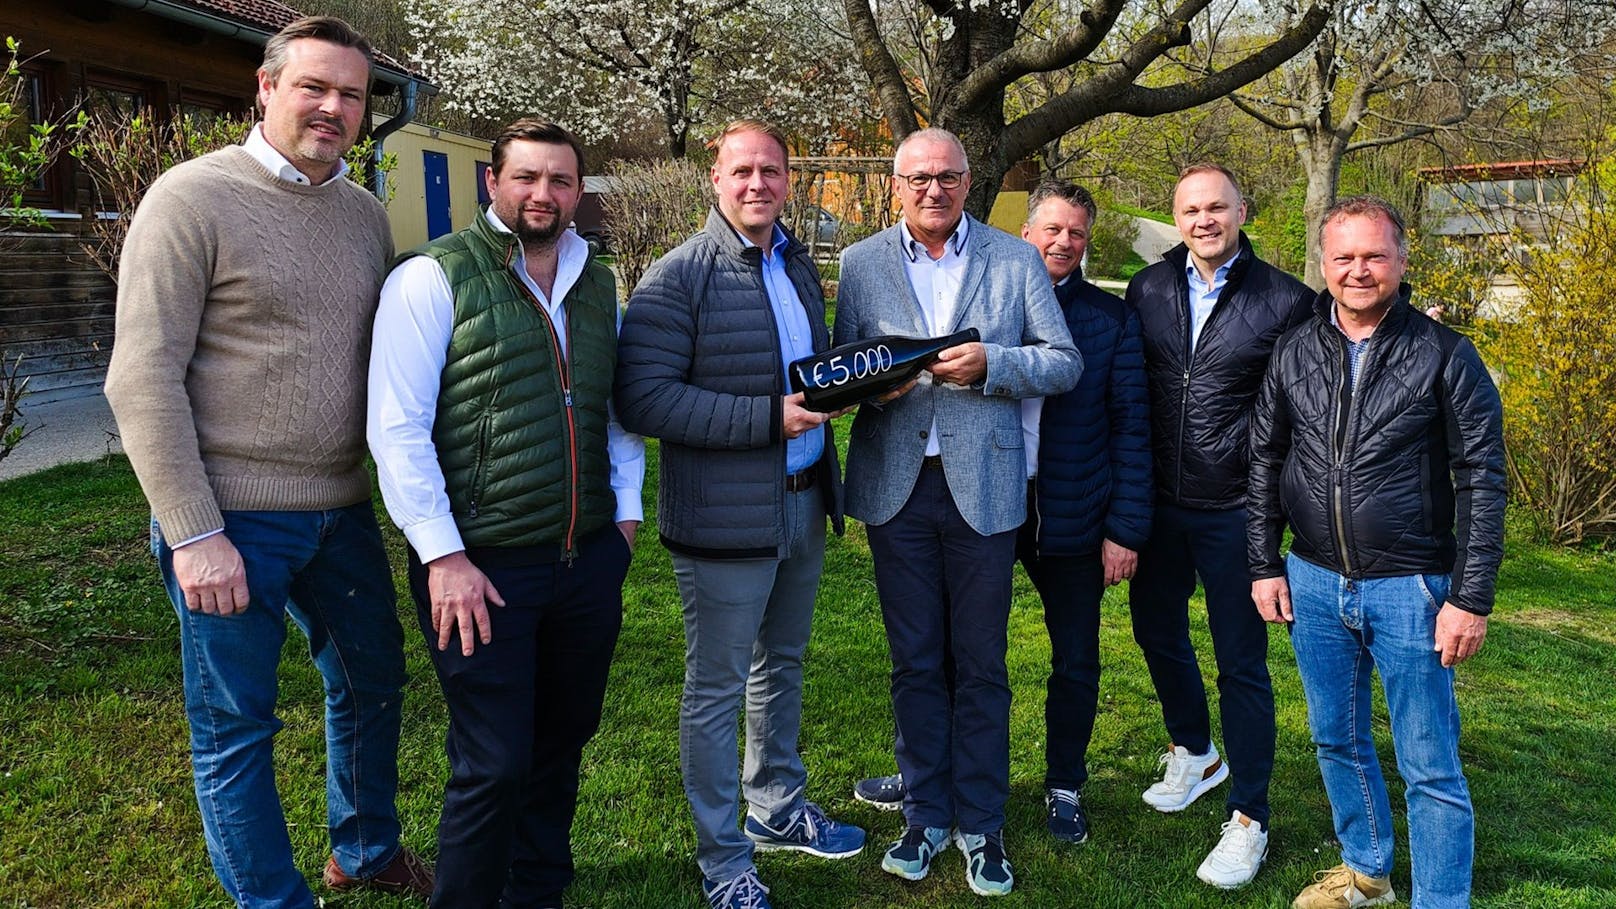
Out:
{"x": 1009, "y": 438}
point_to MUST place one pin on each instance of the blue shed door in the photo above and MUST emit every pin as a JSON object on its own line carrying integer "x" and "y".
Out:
{"x": 438, "y": 219}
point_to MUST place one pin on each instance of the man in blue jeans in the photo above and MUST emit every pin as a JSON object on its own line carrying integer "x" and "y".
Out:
{"x": 245, "y": 301}
{"x": 1378, "y": 436}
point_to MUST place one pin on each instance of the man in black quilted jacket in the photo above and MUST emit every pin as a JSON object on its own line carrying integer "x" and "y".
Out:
{"x": 1211, "y": 312}
{"x": 1378, "y": 435}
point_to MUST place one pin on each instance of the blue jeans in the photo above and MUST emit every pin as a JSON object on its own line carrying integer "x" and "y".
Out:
{"x": 746, "y": 629}
{"x": 329, "y": 572}
{"x": 1344, "y": 630}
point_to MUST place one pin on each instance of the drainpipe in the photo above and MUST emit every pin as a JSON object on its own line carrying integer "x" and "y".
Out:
{"x": 406, "y": 113}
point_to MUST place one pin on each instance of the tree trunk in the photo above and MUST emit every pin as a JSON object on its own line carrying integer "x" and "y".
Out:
{"x": 1320, "y": 156}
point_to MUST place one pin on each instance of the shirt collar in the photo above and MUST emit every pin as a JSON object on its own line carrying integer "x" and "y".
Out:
{"x": 568, "y": 245}
{"x": 777, "y": 241}
{"x": 1218, "y": 274}
{"x": 956, "y": 240}
{"x": 277, "y": 163}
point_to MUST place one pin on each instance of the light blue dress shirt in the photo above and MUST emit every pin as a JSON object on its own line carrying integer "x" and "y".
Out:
{"x": 796, "y": 342}
{"x": 1204, "y": 296}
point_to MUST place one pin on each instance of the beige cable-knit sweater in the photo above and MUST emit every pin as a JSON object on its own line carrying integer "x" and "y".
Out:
{"x": 238, "y": 369}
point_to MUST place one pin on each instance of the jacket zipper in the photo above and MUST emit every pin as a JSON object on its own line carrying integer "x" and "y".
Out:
{"x": 564, "y": 374}
{"x": 1343, "y": 414}
{"x": 1190, "y": 346}
{"x": 481, "y": 466}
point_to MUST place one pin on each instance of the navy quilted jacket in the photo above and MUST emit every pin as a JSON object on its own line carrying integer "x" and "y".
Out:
{"x": 1200, "y": 406}
{"x": 1094, "y": 441}
{"x": 699, "y": 367}
{"x": 1375, "y": 481}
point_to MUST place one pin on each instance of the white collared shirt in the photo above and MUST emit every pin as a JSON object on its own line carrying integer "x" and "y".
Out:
{"x": 1032, "y": 415}
{"x": 936, "y": 283}
{"x": 277, "y": 163}
{"x": 410, "y": 345}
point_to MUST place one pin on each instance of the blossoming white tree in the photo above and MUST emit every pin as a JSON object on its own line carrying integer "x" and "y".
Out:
{"x": 602, "y": 66}
{"x": 1442, "y": 58}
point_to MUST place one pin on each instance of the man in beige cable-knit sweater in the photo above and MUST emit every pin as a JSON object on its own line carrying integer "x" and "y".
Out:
{"x": 245, "y": 299}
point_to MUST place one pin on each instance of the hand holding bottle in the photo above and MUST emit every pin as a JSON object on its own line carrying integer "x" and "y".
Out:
{"x": 964, "y": 364}
{"x": 795, "y": 419}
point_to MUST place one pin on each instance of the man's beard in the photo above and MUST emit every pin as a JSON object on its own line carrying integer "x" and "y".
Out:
{"x": 531, "y": 235}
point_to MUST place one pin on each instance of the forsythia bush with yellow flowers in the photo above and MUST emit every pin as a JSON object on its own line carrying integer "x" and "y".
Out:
{"x": 1556, "y": 359}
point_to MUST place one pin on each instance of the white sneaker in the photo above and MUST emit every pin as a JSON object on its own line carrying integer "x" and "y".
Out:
{"x": 1187, "y": 777}
{"x": 1234, "y": 861}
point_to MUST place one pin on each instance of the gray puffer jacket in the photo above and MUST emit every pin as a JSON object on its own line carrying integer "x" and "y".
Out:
{"x": 699, "y": 367}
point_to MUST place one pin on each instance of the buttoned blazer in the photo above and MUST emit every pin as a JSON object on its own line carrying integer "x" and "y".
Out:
{"x": 1006, "y": 295}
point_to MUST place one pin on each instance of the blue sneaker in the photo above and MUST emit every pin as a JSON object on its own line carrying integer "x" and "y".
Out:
{"x": 809, "y": 831}
{"x": 910, "y": 858}
{"x": 987, "y": 871}
{"x": 884, "y": 792}
{"x": 743, "y": 892}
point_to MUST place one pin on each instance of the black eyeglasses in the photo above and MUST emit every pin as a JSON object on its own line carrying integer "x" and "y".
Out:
{"x": 948, "y": 179}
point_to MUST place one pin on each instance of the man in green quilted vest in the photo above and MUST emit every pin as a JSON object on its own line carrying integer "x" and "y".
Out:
{"x": 500, "y": 459}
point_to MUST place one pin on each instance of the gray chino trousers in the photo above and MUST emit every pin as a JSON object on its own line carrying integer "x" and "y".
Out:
{"x": 746, "y": 628}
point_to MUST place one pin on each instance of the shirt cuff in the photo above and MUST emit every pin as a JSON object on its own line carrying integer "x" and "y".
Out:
{"x": 196, "y": 539}
{"x": 630, "y": 505}
{"x": 434, "y": 538}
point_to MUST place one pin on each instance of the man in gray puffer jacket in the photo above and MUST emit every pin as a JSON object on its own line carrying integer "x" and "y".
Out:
{"x": 748, "y": 477}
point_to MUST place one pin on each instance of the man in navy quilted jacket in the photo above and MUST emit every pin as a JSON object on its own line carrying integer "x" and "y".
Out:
{"x": 1088, "y": 501}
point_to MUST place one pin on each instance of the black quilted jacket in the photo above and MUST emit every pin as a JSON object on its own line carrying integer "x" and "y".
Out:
{"x": 1373, "y": 482}
{"x": 1200, "y": 406}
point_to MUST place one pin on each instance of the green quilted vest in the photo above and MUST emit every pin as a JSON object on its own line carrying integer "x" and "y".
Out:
{"x": 520, "y": 434}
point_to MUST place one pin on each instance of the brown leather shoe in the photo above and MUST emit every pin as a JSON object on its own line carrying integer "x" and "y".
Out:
{"x": 407, "y": 874}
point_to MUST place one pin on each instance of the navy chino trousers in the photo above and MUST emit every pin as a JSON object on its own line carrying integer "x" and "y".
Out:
{"x": 521, "y": 709}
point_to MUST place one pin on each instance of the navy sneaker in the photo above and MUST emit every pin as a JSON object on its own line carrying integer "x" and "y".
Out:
{"x": 809, "y": 831}
{"x": 743, "y": 892}
{"x": 910, "y": 858}
{"x": 1065, "y": 817}
{"x": 987, "y": 870}
{"x": 884, "y": 792}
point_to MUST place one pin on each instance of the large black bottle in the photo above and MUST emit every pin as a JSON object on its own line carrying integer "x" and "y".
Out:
{"x": 867, "y": 369}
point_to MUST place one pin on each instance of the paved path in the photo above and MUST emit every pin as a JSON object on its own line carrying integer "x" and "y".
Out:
{"x": 1155, "y": 238}
{"x": 75, "y": 429}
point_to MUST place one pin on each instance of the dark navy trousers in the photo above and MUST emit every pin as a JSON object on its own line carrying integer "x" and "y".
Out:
{"x": 1184, "y": 543}
{"x": 945, "y": 589}
{"x": 1071, "y": 587}
{"x": 521, "y": 709}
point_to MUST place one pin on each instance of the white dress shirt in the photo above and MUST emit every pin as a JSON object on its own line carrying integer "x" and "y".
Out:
{"x": 1032, "y": 415}
{"x": 277, "y": 164}
{"x": 936, "y": 283}
{"x": 409, "y": 348}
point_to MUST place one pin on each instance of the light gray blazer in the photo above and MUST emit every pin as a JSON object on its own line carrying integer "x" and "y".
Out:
{"x": 1006, "y": 296}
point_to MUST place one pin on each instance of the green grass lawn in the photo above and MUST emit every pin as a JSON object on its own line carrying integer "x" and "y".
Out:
{"x": 96, "y": 806}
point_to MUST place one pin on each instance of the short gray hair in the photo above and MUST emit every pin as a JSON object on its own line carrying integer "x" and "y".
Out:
{"x": 931, "y": 134}
{"x": 320, "y": 28}
{"x": 1066, "y": 191}
{"x": 1367, "y": 206}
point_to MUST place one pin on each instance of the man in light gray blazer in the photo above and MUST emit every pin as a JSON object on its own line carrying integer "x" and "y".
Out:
{"x": 939, "y": 477}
